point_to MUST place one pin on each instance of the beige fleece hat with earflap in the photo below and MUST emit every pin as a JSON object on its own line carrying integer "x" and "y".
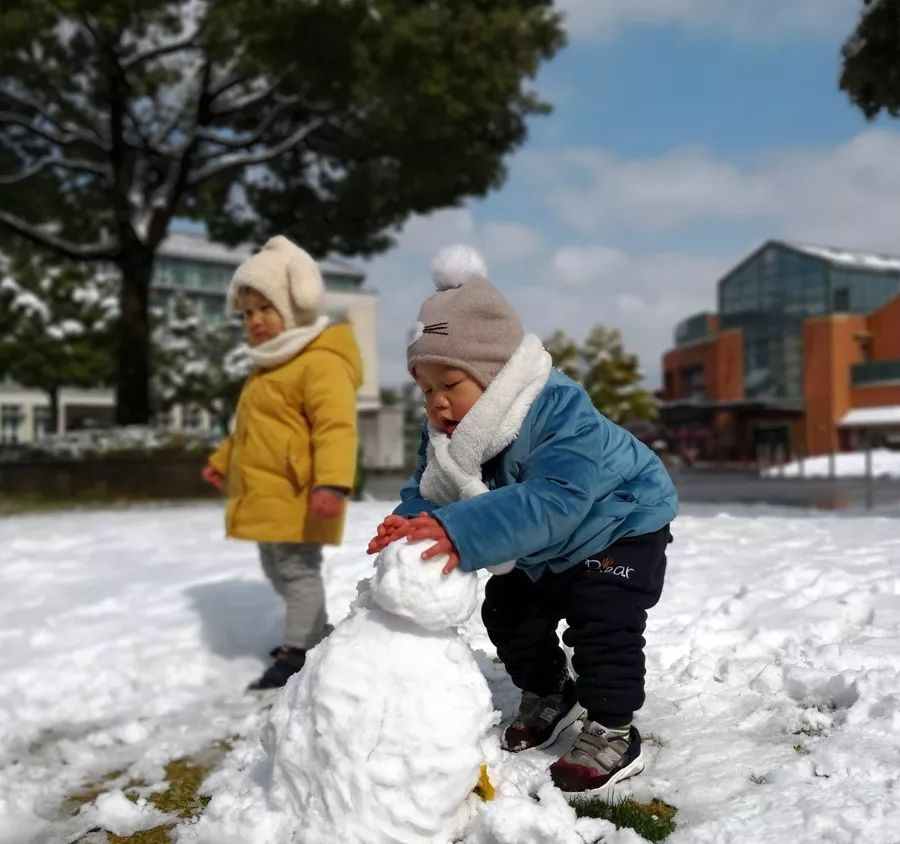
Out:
{"x": 287, "y": 276}
{"x": 467, "y": 324}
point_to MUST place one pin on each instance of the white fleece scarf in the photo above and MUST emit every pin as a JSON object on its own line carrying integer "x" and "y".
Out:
{"x": 286, "y": 345}
{"x": 453, "y": 469}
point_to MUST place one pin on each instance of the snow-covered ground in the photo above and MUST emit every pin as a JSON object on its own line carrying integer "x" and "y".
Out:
{"x": 127, "y": 636}
{"x": 885, "y": 464}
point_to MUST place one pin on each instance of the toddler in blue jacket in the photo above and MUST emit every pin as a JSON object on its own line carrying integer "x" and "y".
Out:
{"x": 519, "y": 474}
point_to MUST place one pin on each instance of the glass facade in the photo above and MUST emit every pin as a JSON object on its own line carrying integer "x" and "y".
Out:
{"x": 860, "y": 292}
{"x": 692, "y": 329}
{"x": 770, "y": 296}
{"x": 187, "y": 274}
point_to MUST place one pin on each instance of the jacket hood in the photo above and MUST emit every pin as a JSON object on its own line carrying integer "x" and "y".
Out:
{"x": 340, "y": 340}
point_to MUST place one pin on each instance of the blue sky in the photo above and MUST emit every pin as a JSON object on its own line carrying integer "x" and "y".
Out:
{"x": 684, "y": 133}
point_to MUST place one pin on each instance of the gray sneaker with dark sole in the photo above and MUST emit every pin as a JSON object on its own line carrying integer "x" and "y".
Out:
{"x": 541, "y": 719}
{"x": 598, "y": 759}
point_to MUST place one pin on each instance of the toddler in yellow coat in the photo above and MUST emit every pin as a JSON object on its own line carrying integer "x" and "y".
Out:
{"x": 290, "y": 460}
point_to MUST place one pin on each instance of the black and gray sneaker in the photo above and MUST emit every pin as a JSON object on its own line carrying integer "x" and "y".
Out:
{"x": 599, "y": 758}
{"x": 540, "y": 720}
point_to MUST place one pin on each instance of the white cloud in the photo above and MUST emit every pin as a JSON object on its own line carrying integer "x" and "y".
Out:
{"x": 644, "y": 296}
{"x": 848, "y": 195}
{"x": 587, "y": 20}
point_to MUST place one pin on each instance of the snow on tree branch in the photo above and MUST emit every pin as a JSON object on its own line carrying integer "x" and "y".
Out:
{"x": 78, "y": 165}
{"x": 66, "y": 129}
{"x": 190, "y": 41}
{"x": 101, "y": 250}
{"x": 246, "y": 141}
{"x": 63, "y": 139}
{"x": 231, "y": 162}
{"x": 247, "y": 102}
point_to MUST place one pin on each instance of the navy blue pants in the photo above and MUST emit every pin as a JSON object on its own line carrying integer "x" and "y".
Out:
{"x": 604, "y": 601}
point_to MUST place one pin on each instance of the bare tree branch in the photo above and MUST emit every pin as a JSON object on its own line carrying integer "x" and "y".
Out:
{"x": 102, "y": 250}
{"x": 65, "y": 139}
{"x": 248, "y": 102}
{"x": 225, "y": 163}
{"x": 91, "y": 137}
{"x": 78, "y": 165}
{"x": 163, "y": 50}
{"x": 247, "y": 141}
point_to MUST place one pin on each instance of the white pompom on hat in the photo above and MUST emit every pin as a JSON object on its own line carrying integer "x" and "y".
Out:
{"x": 287, "y": 276}
{"x": 466, "y": 324}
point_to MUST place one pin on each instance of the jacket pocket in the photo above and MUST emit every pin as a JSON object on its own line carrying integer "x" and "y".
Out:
{"x": 298, "y": 463}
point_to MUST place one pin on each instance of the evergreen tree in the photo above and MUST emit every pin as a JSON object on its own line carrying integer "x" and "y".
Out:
{"x": 564, "y": 352}
{"x": 57, "y": 325}
{"x": 195, "y": 364}
{"x": 328, "y": 121}
{"x": 871, "y": 71}
{"x": 610, "y": 375}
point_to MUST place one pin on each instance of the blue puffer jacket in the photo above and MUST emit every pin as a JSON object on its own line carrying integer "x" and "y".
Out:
{"x": 569, "y": 485}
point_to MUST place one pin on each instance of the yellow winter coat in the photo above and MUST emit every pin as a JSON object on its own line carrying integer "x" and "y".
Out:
{"x": 295, "y": 428}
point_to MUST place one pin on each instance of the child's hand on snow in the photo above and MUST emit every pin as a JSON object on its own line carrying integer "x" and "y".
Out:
{"x": 213, "y": 476}
{"x": 424, "y": 526}
{"x": 325, "y": 503}
{"x": 393, "y": 527}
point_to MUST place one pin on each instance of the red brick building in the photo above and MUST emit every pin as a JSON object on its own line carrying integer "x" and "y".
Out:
{"x": 802, "y": 336}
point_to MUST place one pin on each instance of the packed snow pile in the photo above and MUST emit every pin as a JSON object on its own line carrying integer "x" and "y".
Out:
{"x": 851, "y": 464}
{"x": 381, "y": 737}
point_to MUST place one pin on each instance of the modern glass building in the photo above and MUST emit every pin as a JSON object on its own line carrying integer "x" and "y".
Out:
{"x": 772, "y": 293}
{"x": 790, "y": 318}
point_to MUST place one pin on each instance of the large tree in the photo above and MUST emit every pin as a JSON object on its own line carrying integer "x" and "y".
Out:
{"x": 610, "y": 375}
{"x": 871, "y": 72}
{"x": 329, "y": 121}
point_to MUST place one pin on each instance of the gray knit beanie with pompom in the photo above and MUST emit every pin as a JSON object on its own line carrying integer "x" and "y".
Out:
{"x": 467, "y": 324}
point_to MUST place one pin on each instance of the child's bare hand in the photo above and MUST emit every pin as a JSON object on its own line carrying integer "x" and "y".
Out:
{"x": 392, "y": 528}
{"x": 325, "y": 504}
{"x": 213, "y": 476}
{"x": 424, "y": 526}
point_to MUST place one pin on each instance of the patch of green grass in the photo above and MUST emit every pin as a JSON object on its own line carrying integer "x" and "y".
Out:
{"x": 181, "y": 796}
{"x": 156, "y": 835}
{"x": 89, "y": 793}
{"x": 653, "y": 821}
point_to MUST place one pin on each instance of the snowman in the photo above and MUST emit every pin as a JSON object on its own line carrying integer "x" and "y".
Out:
{"x": 380, "y": 739}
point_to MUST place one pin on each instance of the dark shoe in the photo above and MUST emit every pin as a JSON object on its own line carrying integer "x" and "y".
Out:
{"x": 326, "y": 630}
{"x": 598, "y": 759}
{"x": 287, "y": 663}
{"x": 540, "y": 720}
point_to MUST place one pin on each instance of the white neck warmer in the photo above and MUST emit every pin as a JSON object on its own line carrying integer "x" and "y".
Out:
{"x": 286, "y": 345}
{"x": 453, "y": 469}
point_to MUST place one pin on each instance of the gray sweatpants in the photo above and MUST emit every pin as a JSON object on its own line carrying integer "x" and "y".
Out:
{"x": 295, "y": 569}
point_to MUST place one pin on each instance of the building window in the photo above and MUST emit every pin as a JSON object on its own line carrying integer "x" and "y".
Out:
{"x": 841, "y": 299}
{"x": 11, "y": 416}
{"x": 693, "y": 379}
{"x": 41, "y": 416}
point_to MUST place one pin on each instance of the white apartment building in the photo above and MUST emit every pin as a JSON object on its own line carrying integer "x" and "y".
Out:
{"x": 199, "y": 270}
